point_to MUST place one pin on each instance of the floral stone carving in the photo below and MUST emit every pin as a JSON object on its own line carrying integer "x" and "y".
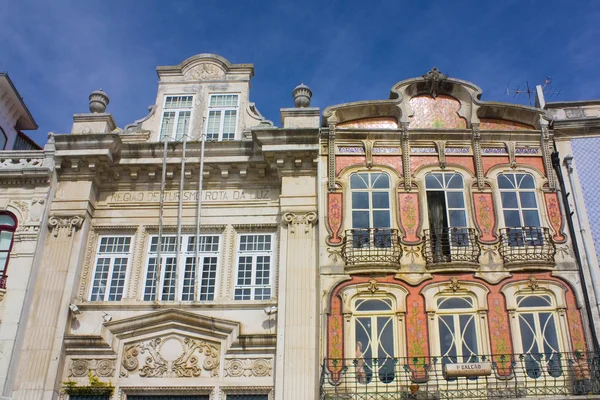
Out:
{"x": 171, "y": 357}
{"x": 100, "y": 367}
{"x": 258, "y": 367}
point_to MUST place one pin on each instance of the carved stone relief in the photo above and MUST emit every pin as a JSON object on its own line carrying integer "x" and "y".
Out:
{"x": 69, "y": 223}
{"x": 172, "y": 356}
{"x": 204, "y": 71}
{"x": 21, "y": 162}
{"x": 247, "y": 367}
{"x": 296, "y": 220}
{"x": 99, "y": 367}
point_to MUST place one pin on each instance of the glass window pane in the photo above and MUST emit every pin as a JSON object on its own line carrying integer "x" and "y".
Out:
{"x": 534, "y": 301}
{"x": 213, "y": 125}
{"x": 360, "y": 219}
{"x": 434, "y": 181}
{"x": 454, "y": 181}
{"x": 509, "y": 200}
{"x": 5, "y": 240}
{"x": 450, "y": 303}
{"x": 447, "y": 340}
{"x": 381, "y": 219}
{"x": 457, "y": 218}
{"x": 512, "y": 218}
{"x": 380, "y": 181}
{"x": 469, "y": 337}
{"x": 525, "y": 181}
{"x": 506, "y": 181}
{"x": 209, "y": 278}
{"x": 531, "y": 218}
{"x": 359, "y": 181}
{"x": 229, "y": 124}
{"x": 6, "y": 220}
{"x": 381, "y": 200}
{"x": 373, "y": 305}
{"x": 360, "y": 200}
{"x": 455, "y": 200}
{"x": 528, "y": 200}
{"x": 549, "y": 334}
{"x": 527, "y": 328}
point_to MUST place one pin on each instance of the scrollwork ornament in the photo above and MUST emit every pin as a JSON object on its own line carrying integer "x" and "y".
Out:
{"x": 68, "y": 223}
{"x": 294, "y": 220}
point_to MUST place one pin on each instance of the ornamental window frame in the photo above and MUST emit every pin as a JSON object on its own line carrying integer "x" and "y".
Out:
{"x": 177, "y": 110}
{"x": 444, "y": 187}
{"x": 455, "y": 288}
{"x": 112, "y": 256}
{"x": 556, "y": 292}
{"x": 370, "y": 190}
{"x": 221, "y": 110}
{"x": 150, "y": 288}
{"x": 248, "y": 292}
{"x": 518, "y": 190}
{"x": 7, "y": 230}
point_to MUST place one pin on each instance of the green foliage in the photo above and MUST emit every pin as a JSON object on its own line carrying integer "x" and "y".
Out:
{"x": 95, "y": 388}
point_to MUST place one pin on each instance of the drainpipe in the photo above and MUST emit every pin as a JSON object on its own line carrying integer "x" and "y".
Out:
{"x": 568, "y": 163}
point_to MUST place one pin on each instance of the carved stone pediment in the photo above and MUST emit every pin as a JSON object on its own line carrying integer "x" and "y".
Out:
{"x": 171, "y": 356}
{"x": 203, "y": 72}
{"x": 173, "y": 319}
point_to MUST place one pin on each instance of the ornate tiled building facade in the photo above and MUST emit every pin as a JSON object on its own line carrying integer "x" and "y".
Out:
{"x": 417, "y": 247}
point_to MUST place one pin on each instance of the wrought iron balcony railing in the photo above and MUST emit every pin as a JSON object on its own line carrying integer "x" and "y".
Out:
{"x": 503, "y": 376}
{"x": 451, "y": 245}
{"x": 372, "y": 245}
{"x": 529, "y": 243}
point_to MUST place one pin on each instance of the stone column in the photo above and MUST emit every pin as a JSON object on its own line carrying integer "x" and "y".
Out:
{"x": 42, "y": 355}
{"x": 298, "y": 364}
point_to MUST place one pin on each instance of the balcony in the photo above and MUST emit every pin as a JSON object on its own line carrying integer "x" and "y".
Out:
{"x": 379, "y": 246}
{"x": 556, "y": 375}
{"x": 451, "y": 246}
{"x": 527, "y": 245}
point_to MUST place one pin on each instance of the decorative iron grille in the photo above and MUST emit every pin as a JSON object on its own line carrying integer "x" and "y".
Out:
{"x": 529, "y": 243}
{"x": 510, "y": 376}
{"x": 372, "y": 245}
{"x": 448, "y": 245}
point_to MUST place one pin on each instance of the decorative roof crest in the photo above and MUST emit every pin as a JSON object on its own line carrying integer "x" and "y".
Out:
{"x": 433, "y": 81}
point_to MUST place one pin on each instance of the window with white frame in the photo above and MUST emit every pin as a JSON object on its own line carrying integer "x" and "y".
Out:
{"x": 222, "y": 117}
{"x": 374, "y": 339}
{"x": 180, "y": 276}
{"x": 457, "y": 329}
{"x": 254, "y": 261}
{"x": 110, "y": 273}
{"x": 519, "y": 204}
{"x": 176, "y": 118}
{"x": 539, "y": 332}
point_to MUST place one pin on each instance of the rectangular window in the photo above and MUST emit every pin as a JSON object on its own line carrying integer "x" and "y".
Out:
{"x": 176, "y": 117}
{"x": 112, "y": 260}
{"x": 222, "y": 117}
{"x": 189, "y": 282}
{"x": 255, "y": 255}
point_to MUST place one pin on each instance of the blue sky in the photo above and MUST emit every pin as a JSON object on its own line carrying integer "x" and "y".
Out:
{"x": 57, "y": 52}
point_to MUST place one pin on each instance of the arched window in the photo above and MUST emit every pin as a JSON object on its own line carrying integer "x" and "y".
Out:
{"x": 520, "y": 209}
{"x": 459, "y": 339}
{"x": 374, "y": 339}
{"x": 8, "y": 225}
{"x": 519, "y": 204}
{"x": 538, "y": 334}
{"x": 448, "y": 236}
{"x": 371, "y": 209}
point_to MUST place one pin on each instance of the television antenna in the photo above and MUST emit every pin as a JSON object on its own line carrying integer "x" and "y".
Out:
{"x": 525, "y": 90}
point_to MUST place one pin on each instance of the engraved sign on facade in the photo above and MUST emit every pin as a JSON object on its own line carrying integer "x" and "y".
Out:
{"x": 468, "y": 369}
{"x": 228, "y": 195}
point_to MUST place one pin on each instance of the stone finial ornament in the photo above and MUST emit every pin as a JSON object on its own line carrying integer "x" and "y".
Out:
{"x": 433, "y": 80}
{"x": 302, "y": 95}
{"x": 98, "y": 101}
